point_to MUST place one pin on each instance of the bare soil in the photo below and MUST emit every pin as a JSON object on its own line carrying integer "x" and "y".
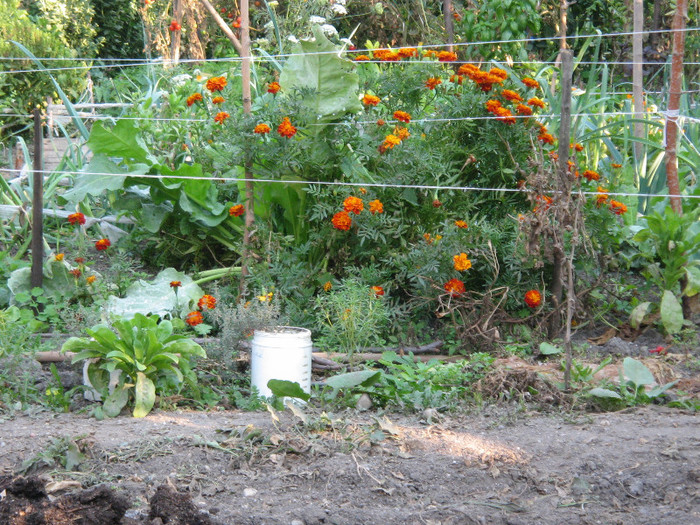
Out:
{"x": 502, "y": 464}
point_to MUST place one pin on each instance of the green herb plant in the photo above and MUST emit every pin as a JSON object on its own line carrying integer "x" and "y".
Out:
{"x": 149, "y": 357}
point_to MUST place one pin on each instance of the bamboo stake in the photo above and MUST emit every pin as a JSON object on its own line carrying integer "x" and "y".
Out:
{"x": 449, "y": 23}
{"x": 36, "y": 277}
{"x": 176, "y": 36}
{"x": 249, "y": 187}
{"x": 638, "y": 78}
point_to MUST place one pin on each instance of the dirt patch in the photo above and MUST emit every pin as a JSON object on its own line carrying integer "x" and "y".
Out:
{"x": 501, "y": 465}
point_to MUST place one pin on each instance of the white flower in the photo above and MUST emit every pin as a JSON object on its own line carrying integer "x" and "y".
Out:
{"x": 313, "y": 19}
{"x": 179, "y": 80}
{"x": 339, "y": 9}
{"x": 329, "y": 30}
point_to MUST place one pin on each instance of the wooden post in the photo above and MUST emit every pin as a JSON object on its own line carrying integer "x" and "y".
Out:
{"x": 449, "y": 23}
{"x": 249, "y": 187}
{"x": 36, "y": 278}
{"x": 674, "y": 99}
{"x": 175, "y": 36}
{"x": 638, "y": 77}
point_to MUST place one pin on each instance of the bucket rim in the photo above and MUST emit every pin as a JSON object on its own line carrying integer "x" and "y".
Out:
{"x": 283, "y": 330}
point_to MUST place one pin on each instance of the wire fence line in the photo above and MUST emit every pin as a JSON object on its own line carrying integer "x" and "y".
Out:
{"x": 341, "y": 183}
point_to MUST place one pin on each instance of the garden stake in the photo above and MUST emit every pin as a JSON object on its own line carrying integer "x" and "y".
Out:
{"x": 638, "y": 78}
{"x": 37, "y": 204}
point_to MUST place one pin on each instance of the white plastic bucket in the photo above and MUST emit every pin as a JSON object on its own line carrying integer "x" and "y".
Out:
{"x": 283, "y": 352}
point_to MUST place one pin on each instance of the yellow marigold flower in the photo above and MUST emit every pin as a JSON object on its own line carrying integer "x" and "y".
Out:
{"x": 361, "y": 58}
{"x": 390, "y": 141}
{"x": 370, "y": 100}
{"x": 194, "y": 97}
{"x": 530, "y": 82}
{"x": 402, "y": 116}
{"x": 433, "y": 82}
{"x": 461, "y": 224}
{"x": 522, "y": 109}
{"x": 427, "y": 238}
{"x": 376, "y": 206}
{"x": 353, "y": 204}
{"x": 438, "y": 237}
{"x": 536, "y": 102}
{"x": 511, "y": 95}
{"x": 59, "y": 256}
{"x": 327, "y": 286}
{"x": 91, "y": 279}
{"x": 221, "y": 116}
{"x": 461, "y": 262}
{"x": 342, "y": 221}
{"x": 402, "y": 133}
{"x": 286, "y": 129}
{"x": 216, "y": 84}
{"x": 446, "y": 56}
{"x": 261, "y": 129}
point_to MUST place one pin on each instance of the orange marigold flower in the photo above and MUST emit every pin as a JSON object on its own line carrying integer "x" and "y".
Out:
{"x": 602, "y": 196}
{"x": 545, "y": 199}
{"x": 446, "y": 56}
{"x": 76, "y": 273}
{"x": 363, "y": 191}
{"x": 174, "y": 26}
{"x": 402, "y": 133}
{"x": 591, "y": 175}
{"x": 578, "y": 147}
{"x": 386, "y": 55}
{"x": 237, "y": 210}
{"x": 327, "y": 286}
{"x": 533, "y": 298}
{"x": 504, "y": 115}
{"x": 457, "y": 17}
{"x": 261, "y": 129}
{"x": 465, "y": 69}
{"x": 380, "y": 122}
{"x": 492, "y": 105}
{"x": 370, "y": 100}
{"x": 342, "y": 221}
{"x": 456, "y": 79}
{"x": 217, "y": 100}
{"x": 378, "y": 291}
{"x": 286, "y": 129}
{"x": 617, "y": 207}
{"x": 175, "y": 284}
{"x": 273, "y": 87}
{"x": 79, "y": 260}
{"x": 547, "y": 138}
{"x": 407, "y": 52}
{"x": 454, "y": 287}
{"x": 522, "y": 109}
{"x": 207, "y": 302}
{"x": 616, "y": 165}
{"x": 353, "y": 204}
{"x": 530, "y": 82}
{"x": 216, "y": 84}
{"x": 59, "y": 257}
{"x": 402, "y": 116}
{"x": 102, "y": 244}
{"x": 390, "y": 141}
{"x": 430, "y": 53}
{"x": 361, "y": 58}
{"x": 461, "y": 262}
{"x": 194, "y": 97}
{"x": 76, "y": 218}
{"x": 194, "y": 318}
{"x": 437, "y": 203}
{"x": 427, "y": 238}
{"x": 91, "y": 279}
{"x": 376, "y": 206}
{"x": 535, "y": 102}
{"x": 461, "y": 224}
{"x": 498, "y": 73}
{"x": 433, "y": 82}
{"x": 221, "y": 116}
{"x": 511, "y": 95}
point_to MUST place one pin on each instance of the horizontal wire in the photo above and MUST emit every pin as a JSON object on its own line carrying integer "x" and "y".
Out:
{"x": 352, "y": 184}
{"x": 451, "y": 119}
{"x": 269, "y": 57}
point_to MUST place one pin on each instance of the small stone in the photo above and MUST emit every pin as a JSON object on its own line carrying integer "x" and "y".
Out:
{"x": 364, "y": 403}
{"x": 249, "y": 492}
{"x": 297, "y": 522}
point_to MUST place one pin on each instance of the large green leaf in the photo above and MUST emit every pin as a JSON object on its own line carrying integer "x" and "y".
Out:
{"x": 116, "y": 401}
{"x": 604, "y": 392}
{"x": 637, "y": 373}
{"x": 88, "y": 183}
{"x": 122, "y": 141}
{"x": 156, "y": 297}
{"x": 638, "y": 314}
{"x": 315, "y": 66}
{"x": 671, "y": 312}
{"x": 144, "y": 394}
{"x": 283, "y": 388}
{"x": 693, "y": 276}
{"x": 353, "y": 379}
